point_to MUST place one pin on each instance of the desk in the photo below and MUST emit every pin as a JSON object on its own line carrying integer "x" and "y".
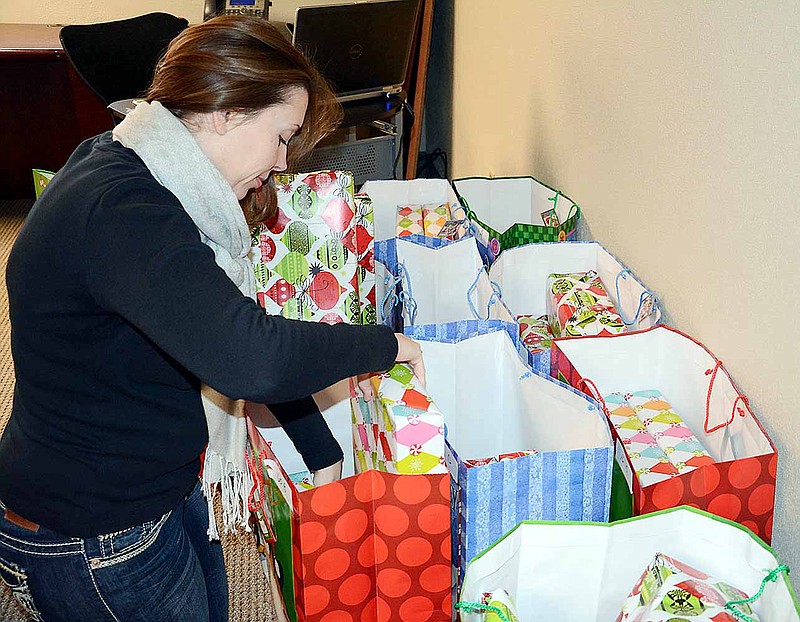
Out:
{"x": 46, "y": 109}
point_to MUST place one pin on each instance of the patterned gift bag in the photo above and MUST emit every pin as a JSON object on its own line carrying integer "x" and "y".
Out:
{"x": 512, "y": 211}
{"x": 373, "y": 546}
{"x": 519, "y": 446}
{"x": 579, "y": 572}
{"x": 308, "y": 256}
{"x": 740, "y": 484}
{"x": 401, "y": 430}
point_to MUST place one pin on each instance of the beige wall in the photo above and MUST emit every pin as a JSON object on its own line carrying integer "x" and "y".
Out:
{"x": 87, "y": 11}
{"x": 676, "y": 126}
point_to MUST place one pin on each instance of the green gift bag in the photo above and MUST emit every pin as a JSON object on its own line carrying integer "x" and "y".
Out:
{"x": 40, "y": 179}
{"x": 511, "y": 211}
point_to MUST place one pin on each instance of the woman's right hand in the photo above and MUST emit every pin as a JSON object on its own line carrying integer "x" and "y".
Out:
{"x": 409, "y": 351}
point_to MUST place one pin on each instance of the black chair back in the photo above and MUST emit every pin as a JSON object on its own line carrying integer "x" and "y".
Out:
{"x": 117, "y": 59}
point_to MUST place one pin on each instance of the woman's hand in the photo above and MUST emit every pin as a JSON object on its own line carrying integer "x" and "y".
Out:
{"x": 408, "y": 351}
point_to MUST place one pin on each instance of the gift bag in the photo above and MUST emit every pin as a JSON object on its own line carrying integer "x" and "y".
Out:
{"x": 740, "y": 483}
{"x": 577, "y": 572}
{"x": 445, "y": 284}
{"x": 388, "y": 195}
{"x": 401, "y": 430}
{"x": 374, "y": 546}
{"x": 522, "y": 275}
{"x": 40, "y": 180}
{"x": 511, "y": 211}
{"x": 308, "y": 257}
{"x": 519, "y": 446}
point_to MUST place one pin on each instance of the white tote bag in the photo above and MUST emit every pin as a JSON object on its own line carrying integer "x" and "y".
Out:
{"x": 388, "y": 195}
{"x": 495, "y": 411}
{"x": 584, "y": 572}
{"x": 522, "y": 273}
{"x": 446, "y": 284}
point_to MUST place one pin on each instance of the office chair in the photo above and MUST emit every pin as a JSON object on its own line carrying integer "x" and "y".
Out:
{"x": 117, "y": 59}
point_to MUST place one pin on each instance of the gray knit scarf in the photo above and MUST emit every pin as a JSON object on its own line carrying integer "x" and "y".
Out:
{"x": 174, "y": 158}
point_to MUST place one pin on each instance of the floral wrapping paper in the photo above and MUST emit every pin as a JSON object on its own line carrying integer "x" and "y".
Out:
{"x": 579, "y": 305}
{"x": 671, "y": 591}
{"x": 313, "y": 258}
{"x": 657, "y": 440}
{"x": 401, "y": 430}
{"x": 535, "y": 332}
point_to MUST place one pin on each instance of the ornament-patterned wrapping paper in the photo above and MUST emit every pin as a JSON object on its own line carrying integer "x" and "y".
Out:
{"x": 401, "y": 430}
{"x": 363, "y": 241}
{"x": 307, "y": 256}
{"x": 579, "y": 305}
{"x": 535, "y": 332}
{"x": 671, "y": 591}
{"x": 372, "y": 546}
{"x": 740, "y": 483}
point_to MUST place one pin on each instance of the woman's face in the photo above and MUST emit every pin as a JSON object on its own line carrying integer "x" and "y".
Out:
{"x": 255, "y": 146}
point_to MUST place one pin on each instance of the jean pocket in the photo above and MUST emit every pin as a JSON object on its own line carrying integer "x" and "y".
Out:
{"x": 15, "y": 577}
{"x": 120, "y": 546}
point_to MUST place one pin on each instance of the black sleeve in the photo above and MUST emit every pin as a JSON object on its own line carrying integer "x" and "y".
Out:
{"x": 307, "y": 429}
{"x": 145, "y": 262}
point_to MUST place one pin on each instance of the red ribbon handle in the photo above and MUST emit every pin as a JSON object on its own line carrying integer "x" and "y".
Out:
{"x": 713, "y": 373}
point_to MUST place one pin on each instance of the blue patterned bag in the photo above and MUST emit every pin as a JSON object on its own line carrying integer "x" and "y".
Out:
{"x": 520, "y": 446}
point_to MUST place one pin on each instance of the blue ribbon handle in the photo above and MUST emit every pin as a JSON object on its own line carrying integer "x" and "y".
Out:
{"x": 642, "y": 298}
{"x": 406, "y": 296}
{"x": 495, "y": 296}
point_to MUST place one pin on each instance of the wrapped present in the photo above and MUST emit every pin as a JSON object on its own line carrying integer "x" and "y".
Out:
{"x": 410, "y": 220}
{"x": 649, "y": 461}
{"x": 307, "y": 255}
{"x": 434, "y": 217}
{"x": 497, "y": 606}
{"x": 671, "y": 591}
{"x": 669, "y": 430}
{"x": 40, "y": 180}
{"x": 401, "y": 430}
{"x": 535, "y": 332}
{"x": 579, "y": 305}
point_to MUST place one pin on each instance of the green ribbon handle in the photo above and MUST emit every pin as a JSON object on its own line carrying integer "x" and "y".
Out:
{"x": 772, "y": 576}
{"x": 478, "y": 607}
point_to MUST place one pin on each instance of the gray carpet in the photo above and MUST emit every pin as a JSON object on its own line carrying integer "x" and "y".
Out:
{"x": 249, "y": 594}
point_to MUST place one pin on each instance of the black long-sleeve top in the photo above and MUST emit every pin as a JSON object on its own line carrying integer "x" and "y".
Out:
{"x": 118, "y": 314}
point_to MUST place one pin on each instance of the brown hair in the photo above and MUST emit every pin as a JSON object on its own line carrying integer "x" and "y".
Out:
{"x": 244, "y": 64}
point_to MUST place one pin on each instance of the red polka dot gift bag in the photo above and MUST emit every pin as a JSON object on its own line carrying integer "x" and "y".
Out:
{"x": 372, "y": 547}
{"x": 684, "y": 432}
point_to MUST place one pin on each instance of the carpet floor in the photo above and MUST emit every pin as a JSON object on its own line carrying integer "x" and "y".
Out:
{"x": 249, "y": 593}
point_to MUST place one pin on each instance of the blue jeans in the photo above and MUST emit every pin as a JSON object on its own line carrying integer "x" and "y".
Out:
{"x": 161, "y": 570}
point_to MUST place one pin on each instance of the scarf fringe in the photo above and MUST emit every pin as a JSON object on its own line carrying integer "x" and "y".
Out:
{"x": 235, "y": 487}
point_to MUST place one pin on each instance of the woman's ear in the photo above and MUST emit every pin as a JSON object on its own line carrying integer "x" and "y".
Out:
{"x": 221, "y": 122}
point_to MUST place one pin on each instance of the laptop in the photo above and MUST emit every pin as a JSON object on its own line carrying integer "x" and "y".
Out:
{"x": 362, "y": 48}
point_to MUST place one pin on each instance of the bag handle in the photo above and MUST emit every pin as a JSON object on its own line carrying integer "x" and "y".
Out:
{"x": 713, "y": 373}
{"x": 254, "y": 505}
{"x": 495, "y": 297}
{"x": 593, "y": 392}
{"x": 478, "y": 607}
{"x": 405, "y": 296}
{"x": 642, "y": 298}
{"x": 732, "y": 605}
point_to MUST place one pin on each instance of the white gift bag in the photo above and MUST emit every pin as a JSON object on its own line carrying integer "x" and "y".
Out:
{"x": 334, "y": 404}
{"x": 522, "y": 273}
{"x": 446, "y": 284}
{"x": 387, "y": 195}
{"x": 519, "y": 445}
{"x": 578, "y": 572}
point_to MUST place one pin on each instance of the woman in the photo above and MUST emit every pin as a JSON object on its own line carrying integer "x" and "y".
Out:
{"x": 129, "y": 291}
